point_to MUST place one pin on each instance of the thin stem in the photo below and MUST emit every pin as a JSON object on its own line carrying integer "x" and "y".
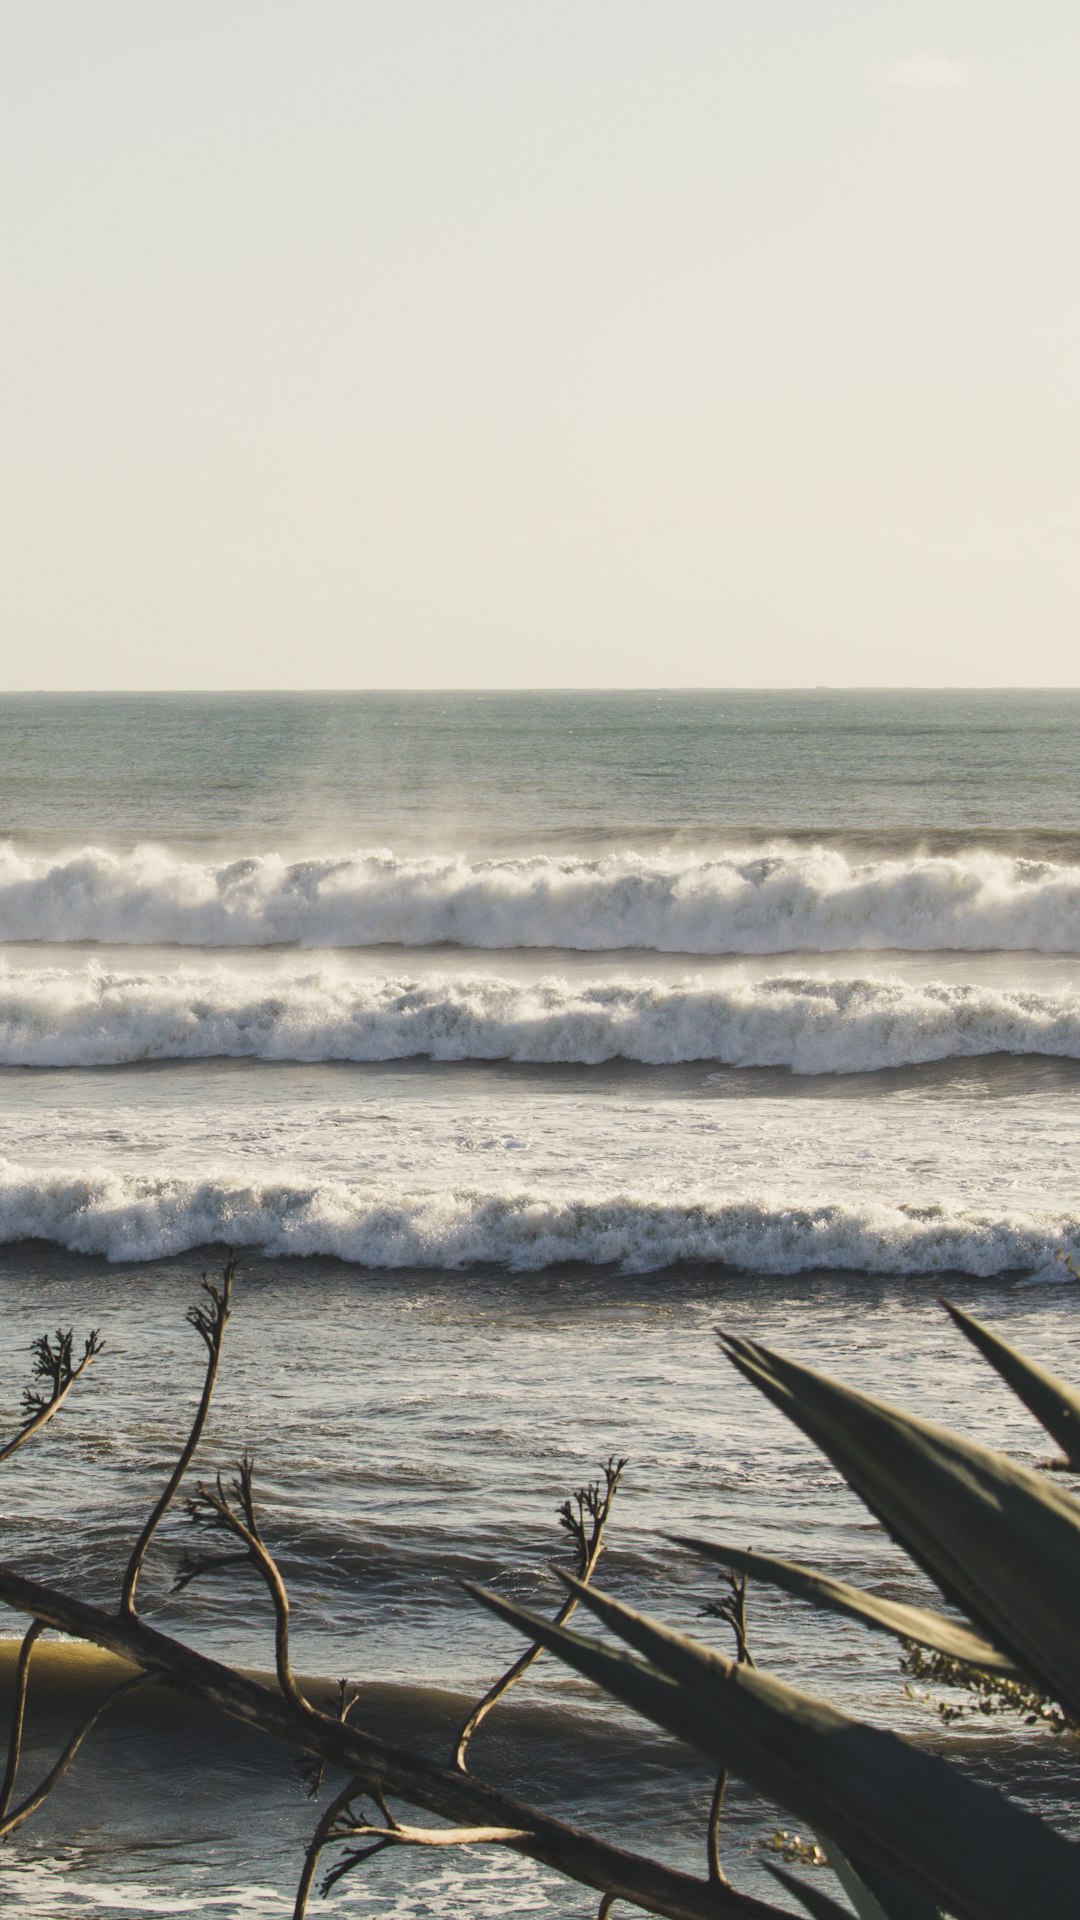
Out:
{"x": 245, "y": 1525}
{"x": 209, "y": 1322}
{"x": 54, "y": 1364}
{"x": 712, "y": 1832}
{"x": 318, "y": 1841}
{"x": 41, "y": 1792}
{"x": 18, "y": 1713}
{"x": 585, "y": 1521}
{"x": 732, "y": 1609}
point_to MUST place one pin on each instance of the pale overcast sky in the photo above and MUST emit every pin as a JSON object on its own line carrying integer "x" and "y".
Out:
{"x": 539, "y": 343}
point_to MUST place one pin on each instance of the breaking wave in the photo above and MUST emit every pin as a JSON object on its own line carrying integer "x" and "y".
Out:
{"x": 681, "y": 902}
{"x": 126, "y": 1216}
{"x": 56, "y": 1017}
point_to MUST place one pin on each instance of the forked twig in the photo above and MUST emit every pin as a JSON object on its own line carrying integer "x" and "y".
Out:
{"x": 232, "y": 1506}
{"x": 54, "y": 1364}
{"x": 584, "y": 1518}
{"x": 209, "y": 1320}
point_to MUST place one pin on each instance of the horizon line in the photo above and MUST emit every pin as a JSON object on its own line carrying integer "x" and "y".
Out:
{"x": 805, "y": 686}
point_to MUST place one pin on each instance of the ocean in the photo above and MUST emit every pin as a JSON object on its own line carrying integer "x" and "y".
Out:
{"x": 513, "y": 1042}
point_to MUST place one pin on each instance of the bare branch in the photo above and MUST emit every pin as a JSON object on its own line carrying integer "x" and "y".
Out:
{"x": 209, "y": 1320}
{"x": 445, "y": 1791}
{"x": 54, "y": 1364}
{"x": 232, "y": 1506}
{"x": 584, "y": 1518}
{"x": 731, "y": 1607}
{"x": 323, "y": 1832}
{"x": 399, "y": 1836}
{"x": 18, "y": 1713}
{"x": 56, "y": 1773}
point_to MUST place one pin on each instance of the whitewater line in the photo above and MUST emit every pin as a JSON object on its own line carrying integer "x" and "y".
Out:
{"x": 138, "y": 1217}
{"x": 810, "y": 899}
{"x": 92, "y": 1017}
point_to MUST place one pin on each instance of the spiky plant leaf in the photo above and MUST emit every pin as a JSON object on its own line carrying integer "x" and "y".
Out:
{"x": 921, "y": 1624}
{"x": 1055, "y": 1405}
{"x": 874, "y": 1895}
{"x": 818, "y": 1904}
{"x": 892, "y": 1805}
{"x": 1002, "y": 1542}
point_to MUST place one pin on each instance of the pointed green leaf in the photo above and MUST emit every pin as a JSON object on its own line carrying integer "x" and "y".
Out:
{"x": 1001, "y": 1541}
{"x": 921, "y": 1624}
{"x": 818, "y": 1904}
{"x": 1055, "y": 1405}
{"x": 874, "y": 1895}
{"x": 892, "y": 1805}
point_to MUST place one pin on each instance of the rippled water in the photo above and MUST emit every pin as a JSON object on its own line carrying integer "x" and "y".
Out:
{"x": 616, "y": 1016}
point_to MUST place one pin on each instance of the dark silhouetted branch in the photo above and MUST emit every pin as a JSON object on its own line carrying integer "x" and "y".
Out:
{"x": 232, "y": 1506}
{"x": 56, "y": 1772}
{"x": 18, "y": 1713}
{"x": 731, "y": 1608}
{"x": 54, "y": 1364}
{"x": 209, "y": 1319}
{"x": 584, "y": 1518}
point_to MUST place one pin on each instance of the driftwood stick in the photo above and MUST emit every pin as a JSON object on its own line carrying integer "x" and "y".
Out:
{"x": 209, "y": 1321}
{"x": 446, "y": 1791}
{"x": 585, "y": 1521}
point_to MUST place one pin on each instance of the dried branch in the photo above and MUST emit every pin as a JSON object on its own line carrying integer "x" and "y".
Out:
{"x": 584, "y": 1517}
{"x": 445, "y": 1791}
{"x": 323, "y": 1833}
{"x": 209, "y": 1320}
{"x": 57, "y": 1771}
{"x": 56, "y": 1365}
{"x": 18, "y": 1713}
{"x": 399, "y": 1836}
{"x": 731, "y": 1607}
{"x": 231, "y": 1505}
{"x": 475, "y": 1813}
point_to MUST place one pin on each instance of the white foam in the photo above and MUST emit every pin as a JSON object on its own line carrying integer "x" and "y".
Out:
{"x": 811, "y": 899}
{"x": 126, "y": 1216}
{"x": 63, "y": 1017}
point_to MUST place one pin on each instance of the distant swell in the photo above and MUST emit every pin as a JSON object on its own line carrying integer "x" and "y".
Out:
{"x": 56, "y": 1017}
{"x": 773, "y": 902}
{"x": 127, "y": 1216}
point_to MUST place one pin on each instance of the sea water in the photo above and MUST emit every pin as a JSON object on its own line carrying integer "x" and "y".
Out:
{"x": 513, "y": 1041}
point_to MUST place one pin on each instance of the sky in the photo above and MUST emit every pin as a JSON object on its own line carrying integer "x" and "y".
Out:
{"x": 533, "y": 343}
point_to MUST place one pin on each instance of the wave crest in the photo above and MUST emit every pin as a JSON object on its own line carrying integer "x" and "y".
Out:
{"x": 126, "y": 1216}
{"x": 804, "y": 899}
{"x": 57, "y": 1017}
